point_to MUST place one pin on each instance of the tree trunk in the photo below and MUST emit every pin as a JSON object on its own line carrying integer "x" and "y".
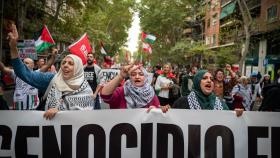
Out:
{"x": 247, "y": 20}
{"x": 21, "y": 5}
{"x": 246, "y": 48}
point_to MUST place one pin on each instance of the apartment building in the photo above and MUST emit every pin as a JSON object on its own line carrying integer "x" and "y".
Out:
{"x": 264, "y": 49}
{"x": 212, "y": 23}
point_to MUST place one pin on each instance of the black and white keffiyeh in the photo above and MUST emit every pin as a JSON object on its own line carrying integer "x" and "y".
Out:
{"x": 72, "y": 94}
{"x": 194, "y": 104}
{"x": 137, "y": 97}
{"x": 80, "y": 99}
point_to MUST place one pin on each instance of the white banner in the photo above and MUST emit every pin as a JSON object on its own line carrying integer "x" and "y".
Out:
{"x": 137, "y": 134}
{"x": 107, "y": 75}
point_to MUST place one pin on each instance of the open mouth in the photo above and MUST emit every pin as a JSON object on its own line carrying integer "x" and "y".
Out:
{"x": 66, "y": 72}
{"x": 137, "y": 81}
{"x": 208, "y": 86}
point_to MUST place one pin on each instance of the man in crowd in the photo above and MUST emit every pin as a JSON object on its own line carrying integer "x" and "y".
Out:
{"x": 187, "y": 82}
{"x": 91, "y": 72}
{"x": 40, "y": 63}
{"x": 256, "y": 91}
{"x": 26, "y": 97}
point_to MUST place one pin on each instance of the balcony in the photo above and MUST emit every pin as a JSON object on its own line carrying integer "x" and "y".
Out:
{"x": 251, "y": 4}
{"x": 228, "y": 38}
{"x": 225, "y": 2}
{"x": 256, "y": 26}
{"x": 227, "y": 9}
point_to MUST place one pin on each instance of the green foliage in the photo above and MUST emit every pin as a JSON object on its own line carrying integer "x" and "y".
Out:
{"x": 165, "y": 19}
{"x": 103, "y": 20}
{"x": 167, "y": 22}
{"x": 227, "y": 55}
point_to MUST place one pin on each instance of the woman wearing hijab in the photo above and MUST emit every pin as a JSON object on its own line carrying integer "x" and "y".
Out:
{"x": 201, "y": 96}
{"x": 66, "y": 90}
{"x": 242, "y": 94}
{"x": 136, "y": 92}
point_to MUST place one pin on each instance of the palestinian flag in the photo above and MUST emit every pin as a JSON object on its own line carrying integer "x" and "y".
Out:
{"x": 107, "y": 55}
{"x": 44, "y": 40}
{"x": 148, "y": 38}
{"x": 102, "y": 49}
{"x": 147, "y": 47}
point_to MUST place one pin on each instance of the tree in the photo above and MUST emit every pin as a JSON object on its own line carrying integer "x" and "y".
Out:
{"x": 166, "y": 21}
{"x": 106, "y": 21}
{"x": 247, "y": 21}
{"x": 224, "y": 55}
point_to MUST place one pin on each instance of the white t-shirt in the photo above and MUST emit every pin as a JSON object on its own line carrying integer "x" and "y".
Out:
{"x": 163, "y": 82}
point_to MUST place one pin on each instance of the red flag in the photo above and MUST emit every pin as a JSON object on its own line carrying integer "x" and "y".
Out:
{"x": 81, "y": 48}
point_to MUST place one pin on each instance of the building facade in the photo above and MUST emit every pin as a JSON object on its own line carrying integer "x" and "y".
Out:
{"x": 212, "y": 23}
{"x": 264, "y": 49}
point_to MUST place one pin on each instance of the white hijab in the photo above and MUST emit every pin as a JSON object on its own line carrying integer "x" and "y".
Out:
{"x": 76, "y": 80}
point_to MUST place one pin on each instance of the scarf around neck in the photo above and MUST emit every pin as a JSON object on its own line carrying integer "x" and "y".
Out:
{"x": 80, "y": 99}
{"x": 199, "y": 100}
{"x": 137, "y": 97}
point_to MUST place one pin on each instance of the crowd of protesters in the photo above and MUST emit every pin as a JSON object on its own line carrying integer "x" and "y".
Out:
{"x": 77, "y": 87}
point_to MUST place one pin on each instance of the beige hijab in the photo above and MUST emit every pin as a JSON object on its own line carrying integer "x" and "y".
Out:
{"x": 75, "y": 82}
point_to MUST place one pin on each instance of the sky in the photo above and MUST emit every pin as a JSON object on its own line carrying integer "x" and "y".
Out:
{"x": 133, "y": 34}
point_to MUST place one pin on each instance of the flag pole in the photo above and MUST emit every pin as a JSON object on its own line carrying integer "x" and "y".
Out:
{"x": 141, "y": 57}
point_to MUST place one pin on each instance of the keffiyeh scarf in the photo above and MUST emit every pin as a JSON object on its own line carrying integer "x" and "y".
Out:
{"x": 137, "y": 97}
{"x": 80, "y": 99}
{"x": 194, "y": 104}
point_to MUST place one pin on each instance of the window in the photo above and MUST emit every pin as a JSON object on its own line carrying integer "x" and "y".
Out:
{"x": 272, "y": 13}
{"x": 214, "y": 40}
{"x": 215, "y": 16}
{"x": 214, "y": 19}
{"x": 207, "y": 40}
